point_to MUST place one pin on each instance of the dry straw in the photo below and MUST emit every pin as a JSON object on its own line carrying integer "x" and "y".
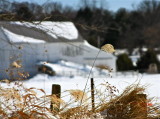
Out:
{"x": 20, "y": 102}
{"x": 78, "y": 95}
{"x": 16, "y": 64}
{"x": 108, "y": 48}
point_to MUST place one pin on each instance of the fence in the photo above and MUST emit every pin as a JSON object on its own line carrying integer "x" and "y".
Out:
{"x": 127, "y": 73}
{"x": 139, "y": 100}
{"x": 82, "y": 73}
{"x": 97, "y": 74}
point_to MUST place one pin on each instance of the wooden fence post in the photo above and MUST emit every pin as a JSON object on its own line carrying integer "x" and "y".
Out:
{"x": 56, "y": 90}
{"x": 92, "y": 94}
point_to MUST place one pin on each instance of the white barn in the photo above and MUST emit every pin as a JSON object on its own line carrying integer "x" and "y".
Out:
{"x": 46, "y": 41}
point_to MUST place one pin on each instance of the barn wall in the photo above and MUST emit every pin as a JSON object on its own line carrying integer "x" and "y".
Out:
{"x": 5, "y": 49}
{"x": 29, "y": 58}
{"x": 31, "y": 54}
{"x": 52, "y": 52}
{"x": 4, "y": 63}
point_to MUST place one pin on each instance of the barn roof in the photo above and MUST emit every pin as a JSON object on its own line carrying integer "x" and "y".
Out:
{"x": 47, "y": 30}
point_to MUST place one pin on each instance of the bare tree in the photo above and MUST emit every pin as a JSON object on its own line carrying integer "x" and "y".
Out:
{"x": 52, "y": 6}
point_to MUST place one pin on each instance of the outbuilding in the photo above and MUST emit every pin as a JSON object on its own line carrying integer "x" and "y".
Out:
{"x": 29, "y": 43}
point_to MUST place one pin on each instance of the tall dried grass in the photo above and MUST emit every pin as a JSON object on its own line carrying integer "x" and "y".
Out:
{"x": 18, "y": 102}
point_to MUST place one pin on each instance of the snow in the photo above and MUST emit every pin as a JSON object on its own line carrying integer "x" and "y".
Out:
{"x": 152, "y": 82}
{"x": 55, "y": 29}
{"x": 69, "y": 68}
{"x": 121, "y": 51}
{"x": 119, "y": 80}
{"x": 158, "y": 56}
{"x": 90, "y": 46}
{"x": 15, "y": 38}
{"x": 134, "y": 59}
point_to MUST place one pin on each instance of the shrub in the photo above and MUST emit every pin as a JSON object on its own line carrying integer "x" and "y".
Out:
{"x": 124, "y": 63}
{"x": 146, "y": 59}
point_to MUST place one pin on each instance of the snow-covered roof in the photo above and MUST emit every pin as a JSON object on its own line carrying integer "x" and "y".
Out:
{"x": 14, "y": 38}
{"x": 55, "y": 29}
{"x": 46, "y": 30}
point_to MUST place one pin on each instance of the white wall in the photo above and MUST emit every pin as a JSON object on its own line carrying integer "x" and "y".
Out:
{"x": 31, "y": 54}
{"x": 5, "y": 51}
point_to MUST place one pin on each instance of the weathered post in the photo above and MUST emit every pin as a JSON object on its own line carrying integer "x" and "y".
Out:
{"x": 56, "y": 90}
{"x": 92, "y": 94}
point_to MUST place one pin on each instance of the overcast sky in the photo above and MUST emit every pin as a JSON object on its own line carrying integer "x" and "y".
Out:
{"x": 110, "y": 4}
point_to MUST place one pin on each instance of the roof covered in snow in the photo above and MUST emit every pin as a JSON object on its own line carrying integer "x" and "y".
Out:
{"x": 14, "y": 38}
{"x": 46, "y": 30}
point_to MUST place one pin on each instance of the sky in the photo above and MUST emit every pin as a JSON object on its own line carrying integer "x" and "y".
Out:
{"x": 113, "y": 5}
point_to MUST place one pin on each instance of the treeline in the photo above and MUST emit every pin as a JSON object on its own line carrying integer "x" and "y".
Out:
{"x": 123, "y": 29}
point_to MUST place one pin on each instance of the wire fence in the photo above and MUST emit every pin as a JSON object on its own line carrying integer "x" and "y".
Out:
{"x": 97, "y": 74}
{"x": 82, "y": 73}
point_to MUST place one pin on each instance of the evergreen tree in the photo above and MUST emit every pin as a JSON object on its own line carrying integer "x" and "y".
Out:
{"x": 124, "y": 63}
{"x": 146, "y": 59}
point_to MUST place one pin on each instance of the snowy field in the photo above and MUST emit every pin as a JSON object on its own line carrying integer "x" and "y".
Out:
{"x": 152, "y": 82}
{"x": 68, "y": 82}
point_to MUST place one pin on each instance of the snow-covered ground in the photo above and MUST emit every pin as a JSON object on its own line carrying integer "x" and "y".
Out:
{"x": 120, "y": 81}
{"x": 152, "y": 82}
{"x": 70, "y": 69}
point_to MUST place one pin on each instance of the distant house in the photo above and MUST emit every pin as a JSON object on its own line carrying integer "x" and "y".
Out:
{"x": 46, "y": 41}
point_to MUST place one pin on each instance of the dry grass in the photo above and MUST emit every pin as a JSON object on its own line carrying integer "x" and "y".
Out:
{"x": 19, "y": 102}
{"x": 128, "y": 105}
{"x": 108, "y": 48}
{"x": 104, "y": 67}
{"x": 78, "y": 95}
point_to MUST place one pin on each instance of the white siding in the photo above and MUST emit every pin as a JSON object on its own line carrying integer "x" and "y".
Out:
{"x": 31, "y": 54}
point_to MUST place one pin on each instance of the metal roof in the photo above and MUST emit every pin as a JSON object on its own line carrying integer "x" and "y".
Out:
{"x": 34, "y": 32}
